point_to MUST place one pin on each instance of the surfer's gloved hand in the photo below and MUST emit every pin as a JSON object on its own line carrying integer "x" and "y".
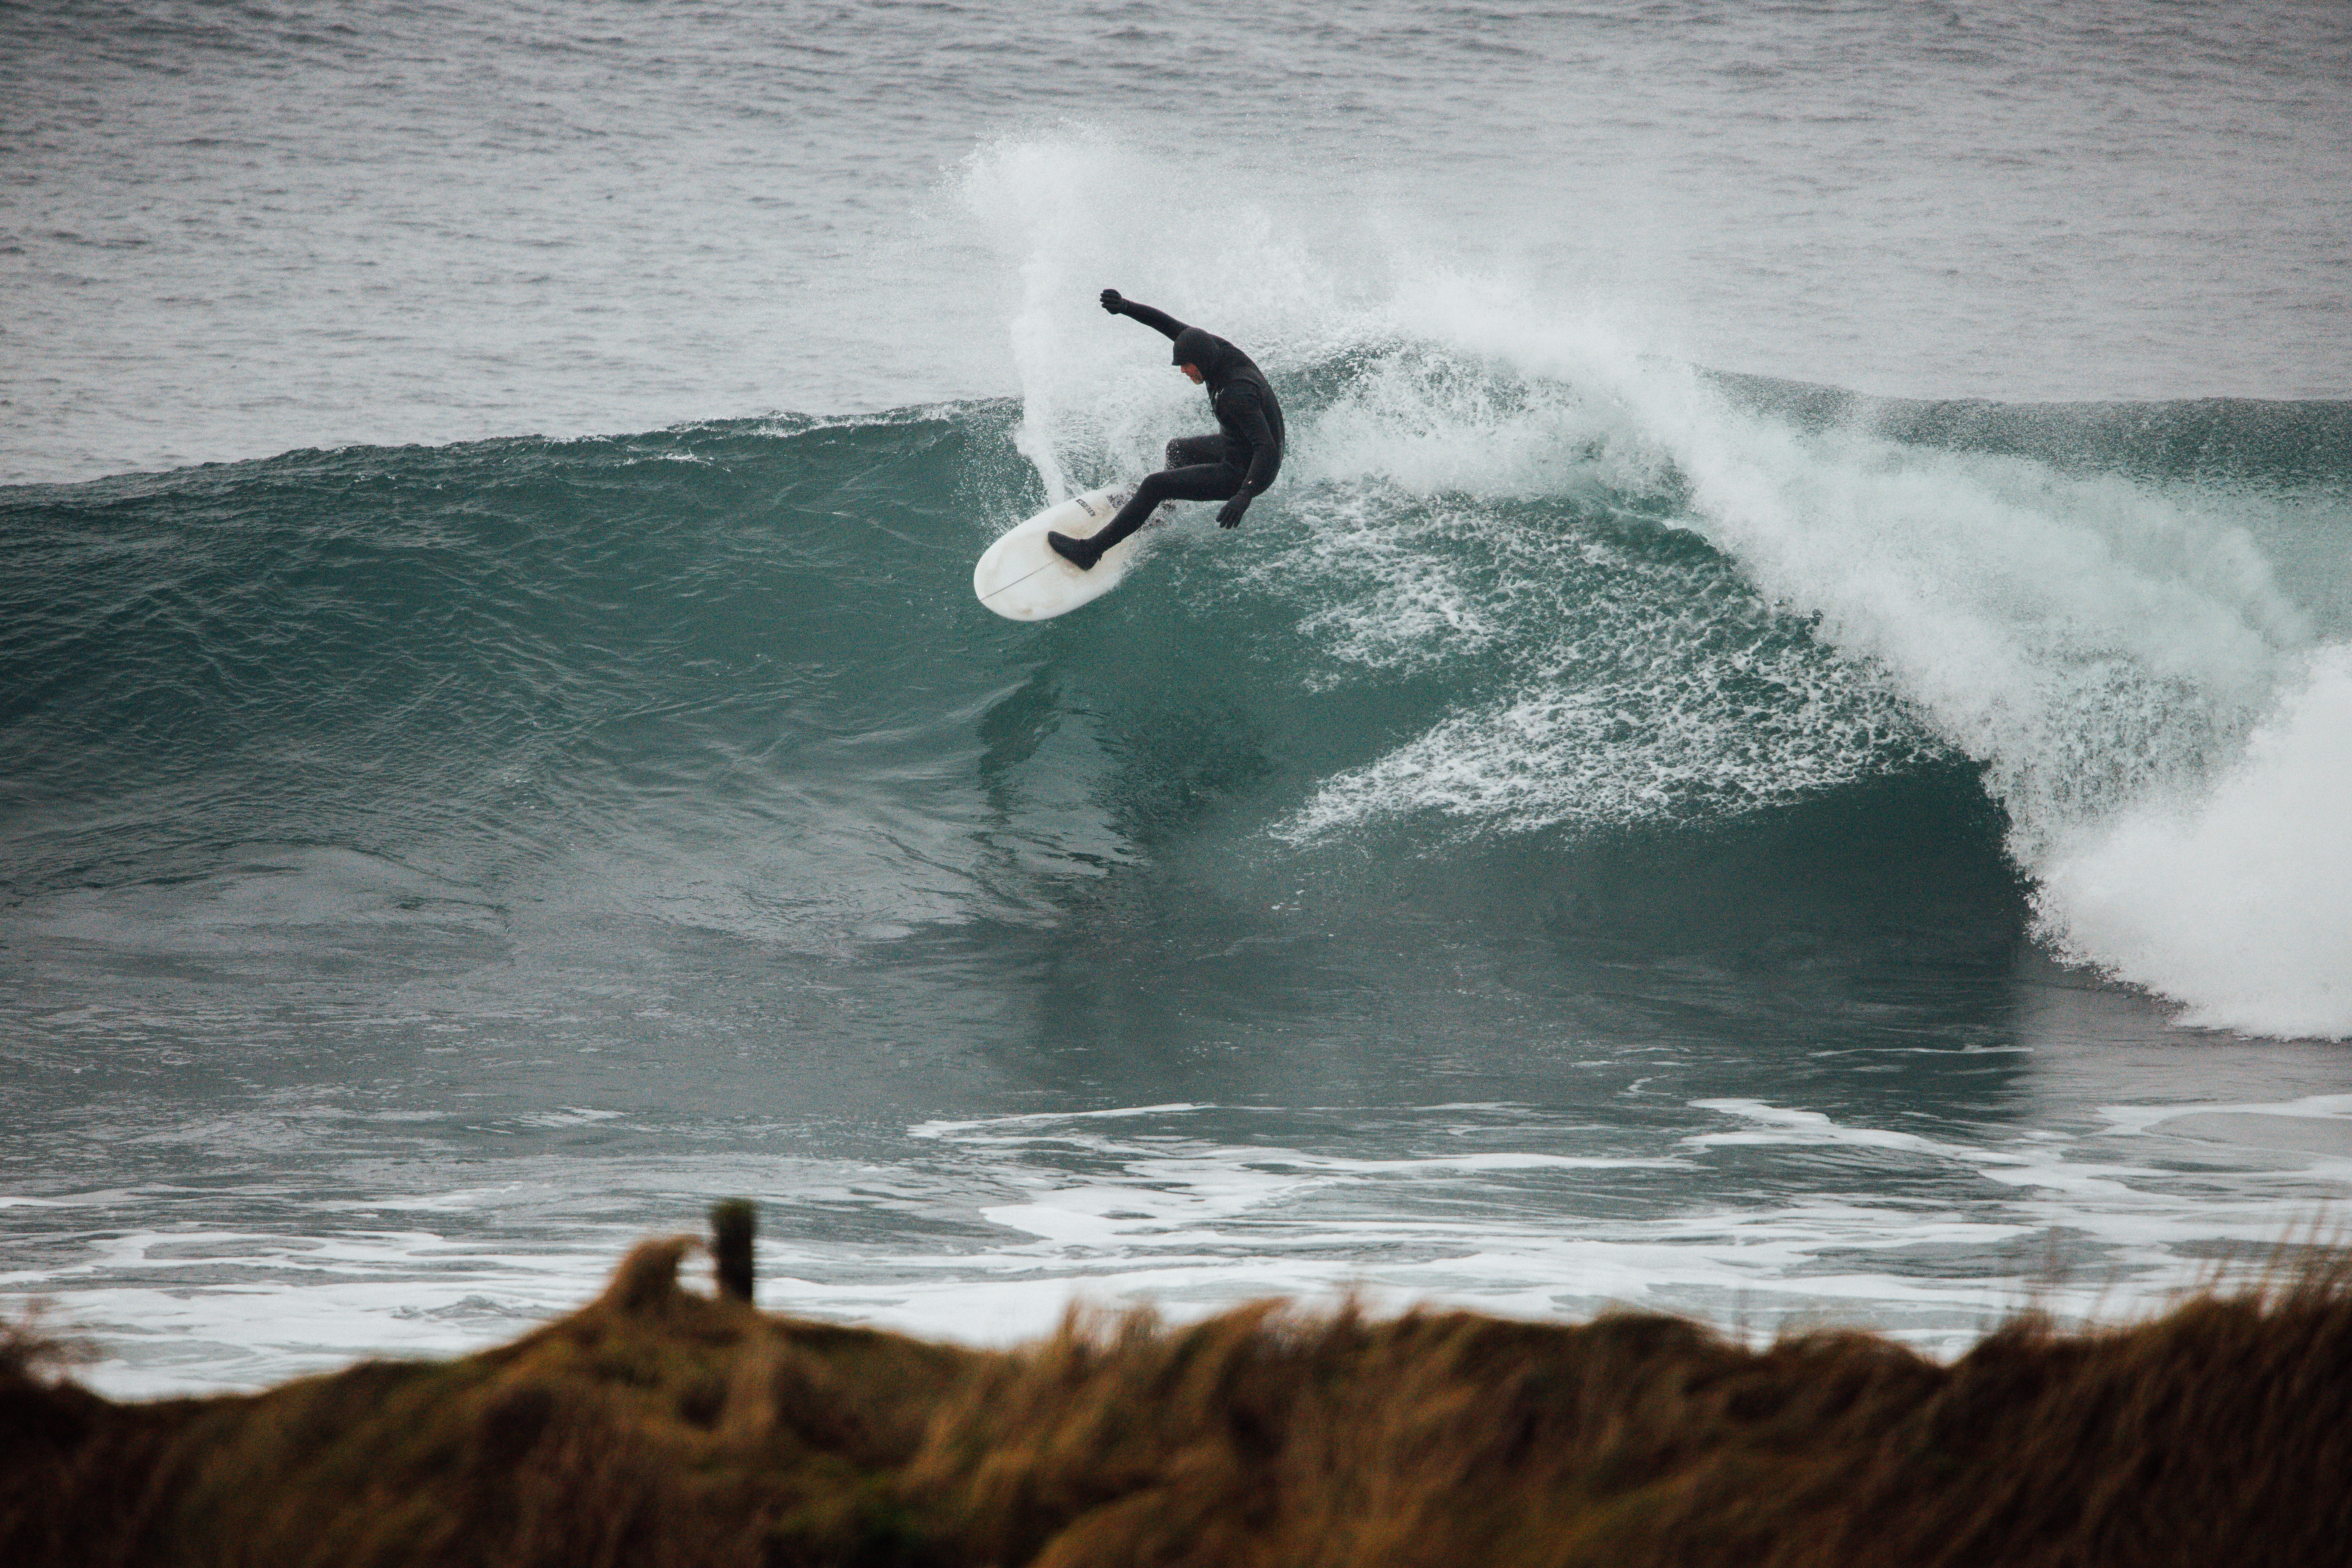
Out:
{"x": 1230, "y": 514}
{"x": 1113, "y": 303}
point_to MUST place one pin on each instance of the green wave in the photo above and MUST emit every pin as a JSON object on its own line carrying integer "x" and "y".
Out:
{"x": 754, "y": 640}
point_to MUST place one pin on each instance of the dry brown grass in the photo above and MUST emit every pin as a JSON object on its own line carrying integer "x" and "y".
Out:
{"x": 661, "y": 1427}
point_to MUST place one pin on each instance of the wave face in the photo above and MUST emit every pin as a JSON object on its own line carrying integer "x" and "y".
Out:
{"x": 1553, "y": 597}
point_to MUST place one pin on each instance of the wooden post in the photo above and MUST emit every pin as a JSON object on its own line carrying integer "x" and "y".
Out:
{"x": 733, "y": 1224}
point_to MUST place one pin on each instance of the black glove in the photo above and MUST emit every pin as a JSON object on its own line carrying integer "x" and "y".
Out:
{"x": 1230, "y": 514}
{"x": 1113, "y": 303}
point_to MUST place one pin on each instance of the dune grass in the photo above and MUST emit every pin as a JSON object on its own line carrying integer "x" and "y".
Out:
{"x": 661, "y": 1427}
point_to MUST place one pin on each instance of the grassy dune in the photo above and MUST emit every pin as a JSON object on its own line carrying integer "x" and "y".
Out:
{"x": 659, "y": 1426}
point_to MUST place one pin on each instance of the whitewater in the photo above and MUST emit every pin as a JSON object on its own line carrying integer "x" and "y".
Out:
{"x": 1743, "y": 768}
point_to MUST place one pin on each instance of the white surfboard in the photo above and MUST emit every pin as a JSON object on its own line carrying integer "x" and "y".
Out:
{"x": 1021, "y": 579}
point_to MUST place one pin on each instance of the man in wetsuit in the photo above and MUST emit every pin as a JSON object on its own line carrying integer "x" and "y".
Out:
{"x": 1231, "y": 466}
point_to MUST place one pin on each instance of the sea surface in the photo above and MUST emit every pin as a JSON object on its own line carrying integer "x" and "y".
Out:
{"x": 1779, "y": 751}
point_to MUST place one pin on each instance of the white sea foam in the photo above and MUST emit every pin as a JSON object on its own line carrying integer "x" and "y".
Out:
{"x": 2236, "y": 900}
{"x": 1178, "y": 1207}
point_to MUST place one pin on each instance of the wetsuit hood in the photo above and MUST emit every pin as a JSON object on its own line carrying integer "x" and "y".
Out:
{"x": 1216, "y": 358}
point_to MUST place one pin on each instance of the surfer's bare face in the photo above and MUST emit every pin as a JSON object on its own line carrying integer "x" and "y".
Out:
{"x": 1194, "y": 373}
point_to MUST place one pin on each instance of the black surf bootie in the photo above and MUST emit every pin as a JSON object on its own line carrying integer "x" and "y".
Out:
{"x": 1079, "y": 553}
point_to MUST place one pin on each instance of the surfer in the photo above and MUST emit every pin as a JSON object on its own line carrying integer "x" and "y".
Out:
{"x": 1233, "y": 466}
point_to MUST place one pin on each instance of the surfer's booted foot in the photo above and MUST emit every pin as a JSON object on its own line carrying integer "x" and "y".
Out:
{"x": 1081, "y": 553}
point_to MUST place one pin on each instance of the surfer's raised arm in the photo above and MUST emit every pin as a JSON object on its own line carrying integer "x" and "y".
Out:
{"x": 1231, "y": 466}
{"x": 1160, "y": 322}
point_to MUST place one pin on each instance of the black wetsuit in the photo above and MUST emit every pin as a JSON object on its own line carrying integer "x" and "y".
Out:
{"x": 1233, "y": 466}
